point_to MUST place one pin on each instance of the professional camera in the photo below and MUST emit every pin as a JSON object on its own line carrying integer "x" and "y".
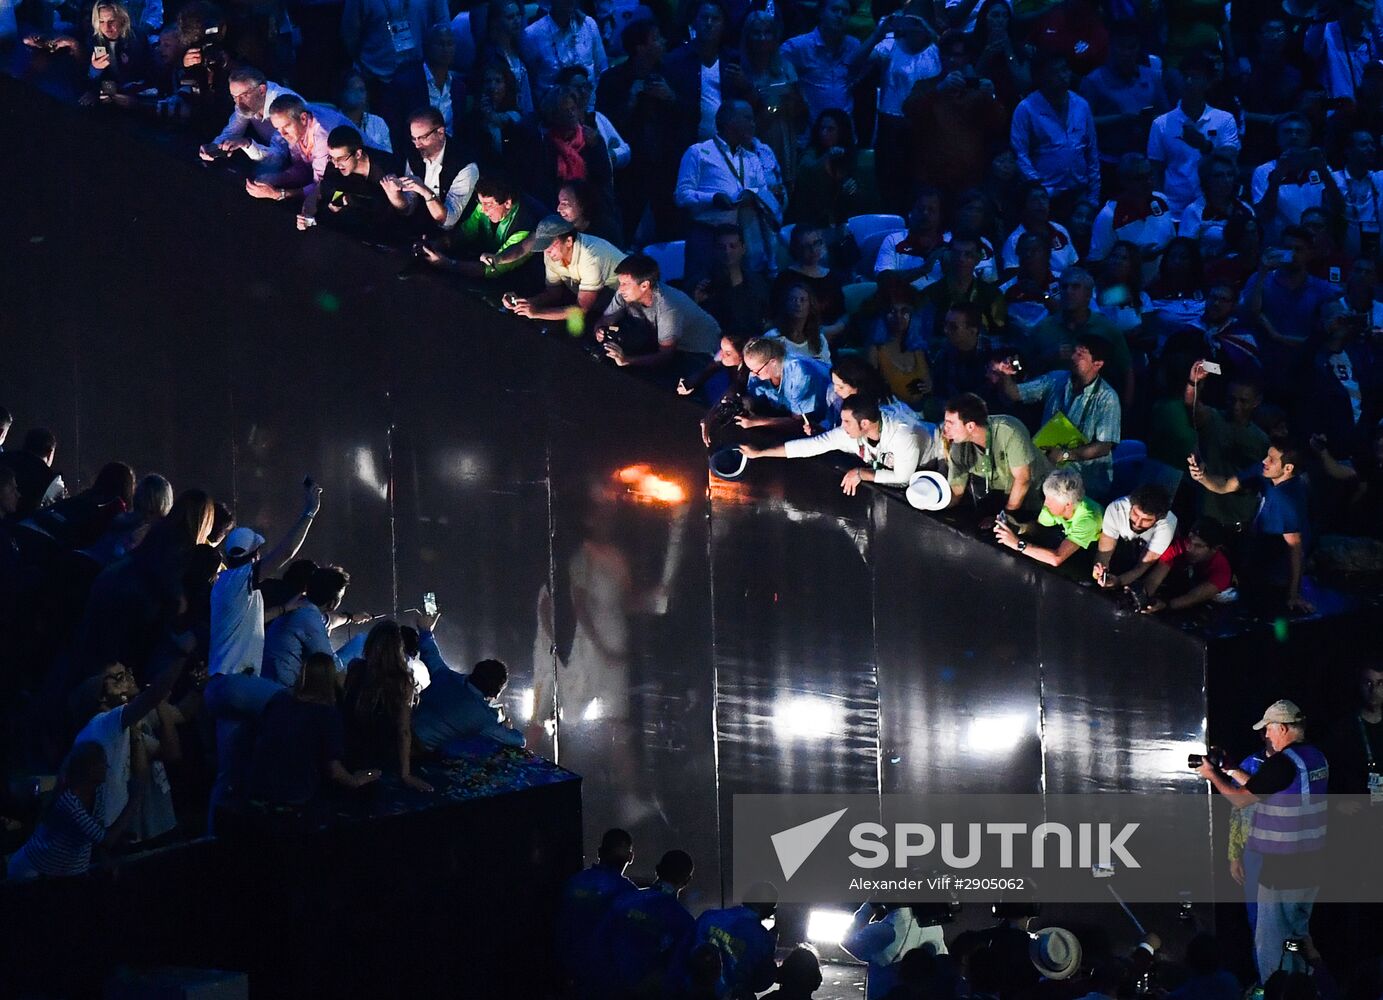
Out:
{"x": 196, "y": 81}
{"x": 720, "y": 419}
{"x": 1217, "y": 757}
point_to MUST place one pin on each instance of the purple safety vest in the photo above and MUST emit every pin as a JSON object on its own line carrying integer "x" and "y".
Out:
{"x": 1292, "y": 821}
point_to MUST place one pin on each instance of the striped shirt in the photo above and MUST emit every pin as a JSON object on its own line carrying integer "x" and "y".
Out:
{"x": 61, "y": 845}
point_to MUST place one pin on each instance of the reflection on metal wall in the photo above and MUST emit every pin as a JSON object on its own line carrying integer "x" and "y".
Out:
{"x": 690, "y": 642}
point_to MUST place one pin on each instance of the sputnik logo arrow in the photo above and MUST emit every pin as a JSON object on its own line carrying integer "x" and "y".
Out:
{"x": 795, "y": 844}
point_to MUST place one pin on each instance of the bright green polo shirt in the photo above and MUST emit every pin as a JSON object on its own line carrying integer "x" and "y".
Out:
{"x": 1084, "y": 525}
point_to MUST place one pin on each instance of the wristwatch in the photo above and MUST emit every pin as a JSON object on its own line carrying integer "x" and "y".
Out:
{"x": 1066, "y": 454}
{"x": 1022, "y": 545}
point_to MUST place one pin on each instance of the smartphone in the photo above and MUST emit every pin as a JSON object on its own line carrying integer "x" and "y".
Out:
{"x": 429, "y": 604}
{"x": 99, "y": 50}
{"x": 1211, "y": 368}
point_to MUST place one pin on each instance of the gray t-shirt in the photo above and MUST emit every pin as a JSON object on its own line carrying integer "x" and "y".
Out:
{"x": 675, "y": 318}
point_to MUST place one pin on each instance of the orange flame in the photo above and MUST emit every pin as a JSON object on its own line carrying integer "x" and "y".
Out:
{"x": 647, "y": 486}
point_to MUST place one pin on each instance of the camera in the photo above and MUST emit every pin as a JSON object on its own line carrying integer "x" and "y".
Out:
{"x": 109, "y": 88}
{"x": 1216, "y": 756}
{"x": 1135, "y": 599}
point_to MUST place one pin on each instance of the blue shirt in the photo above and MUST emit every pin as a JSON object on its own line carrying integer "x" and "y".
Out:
{"x": 586, "y": 898}
{"x": 452, "y": 709}
{"x": 290, "y": 639}
{"x": 1062, "y": 153}
{"x": 822, "y": 75}
{"x": 746, "y": 948}
{"x": 638, "y": 938}
{"x": 1095, "y": 410}
{"x": 1292, "y": 314}
{"x": 804, "y": 389}
{"x": 1282, "y": 510}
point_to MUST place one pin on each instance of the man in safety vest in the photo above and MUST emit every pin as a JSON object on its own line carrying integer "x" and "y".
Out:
{"x": 1288, "y": 830}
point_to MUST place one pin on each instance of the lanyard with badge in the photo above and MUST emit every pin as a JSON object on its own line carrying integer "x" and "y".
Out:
{"x": 1375, "y": 776}
{"x": 400, "y": 27}
{"x": 736, "y": 172}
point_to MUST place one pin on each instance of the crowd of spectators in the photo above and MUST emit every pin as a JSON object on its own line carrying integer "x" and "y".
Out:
{"x": 1138, "y": 248}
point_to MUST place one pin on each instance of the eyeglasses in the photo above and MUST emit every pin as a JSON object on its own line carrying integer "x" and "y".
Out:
{"x": 430, "y": 132}
{"x": 755, "y": 371}
{"x": 337, "y": 161}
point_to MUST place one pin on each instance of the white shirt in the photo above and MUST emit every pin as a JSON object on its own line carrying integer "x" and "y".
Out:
{"x": 1155, "y": 539}
{"x": 1345, "y": 61}
{"x": 375, "y": 131}
{"x": 1294, "y": 196}
{"x": 1362, "y": 195}
{"x": 614, "y": 142}
{"x": 458, "y": 196}
{"x": 710, "y": 168}
{"x": 901, "y": 71}
{"x": 1151, "y": 229}
{"x": 1180, "y": 161}
{"x": 890, "y": 258}
{"x": 592, "y": 267}
{"x": 547, "y": 48}
{"x": 108, "y": 729}
{"x": 1063, "y": 251}
{"x": 1210, "y": 232}
{"x": 894, "y": 457}
{"x": 266, "y": 143}
{"x": 710, "y": 100}
{"x": 237, "y": 623}
{"x": 1343, "y": 369}
{"x": 439, "y": 96}
{"x": 805, "y": 351}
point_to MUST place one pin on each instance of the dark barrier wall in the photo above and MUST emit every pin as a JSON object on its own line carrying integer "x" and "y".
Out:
{"x": 768, "y": 635}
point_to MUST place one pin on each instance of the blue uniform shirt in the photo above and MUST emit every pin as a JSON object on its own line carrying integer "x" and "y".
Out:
{"x": 746, "y": 948}
{"x": 638, "y": 938}
{"x": 585, "y": 900}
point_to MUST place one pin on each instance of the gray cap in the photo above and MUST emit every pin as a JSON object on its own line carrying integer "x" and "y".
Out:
{"x": 551, "y": 228}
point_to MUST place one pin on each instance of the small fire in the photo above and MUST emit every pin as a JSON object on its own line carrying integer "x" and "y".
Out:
{"x": 649, "y": 487}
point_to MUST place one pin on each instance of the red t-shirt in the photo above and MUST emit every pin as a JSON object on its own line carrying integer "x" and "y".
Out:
{"x": 1215, "y": 570}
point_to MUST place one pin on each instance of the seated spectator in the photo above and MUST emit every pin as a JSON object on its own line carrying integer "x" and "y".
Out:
{"x": 303, "y": 630}
{"x": 1033, "y": 293}
{"x": 1050, "y": 345}
{"x": 1085, "y": 401}
{"x": 797, "y": 322}
{"x": 1327, "y": 262}
{"x": 794, "y": 385}
{"x": 1283, "y": 302}
{"x": 1192, "y": 571}
{"x": 1223, "y": 337}
{"x": 1037, "y": 218}
{"x": 746, "y": 947}
{"x": 1212, "y": 218}
{"x": 38, "y": 482}
{"x": 586, "y": 899}
{"x": 497, "y": 129}
{"x": 1136, "y": 532}
{"x": 432, "y": 81}
{"x": 1230, "y": 439}
{"x": 902, "y": 52}
{"x": 960, "y": 363}
{"x": 901, "y": 359}
{"x": 308, "y": 152}
{"x": 439, "y": 175}
{"x": 378, "y": 701}
{"x": 1064, "y": 506}
{"x": 807, "y": 266}
{"x": 913, "y": 255}
{"x": 727, "y": 180}
{"x": 568, "y": 150}
{"x": 500, "y": 218}
{"x": 75, "y": 821}
{"x": 565, "y": 35}
{"x": 352, "y": 197}
{"x": 960, "y": 283}
{"x": 580, "y": 271}
{"x": 851, "y": 375}
{"x": 249, "y": 127}
{"x": 1279, "y": 534}
{"x": 992, "y": 455}
{"x": 1139, "y": 215}
{"x": 737, "y": 299}
{"x": 683, "y": 334}
{"x": 577, "y": 79}
{"x": 1177, "y": 293}
{"x": 892, "y": 450}
{"x": 964, "y": 109}
{"x": 354, "y": 103}
{"x": 1298, "y": 179}
{"x": 1053, "y": 134}
{"x": 1124, "y": 95}
{"x": 635, "y": 943}
{"x": 1191, "y": 130}
{"x": 301, "y": 741}
{"x": 835, "y": 178}
{"x": 456, "y": 709}
{"x": 1121, "y": 299}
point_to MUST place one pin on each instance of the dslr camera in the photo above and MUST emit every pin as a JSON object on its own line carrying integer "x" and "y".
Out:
{"x": 1218, "y": 758}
